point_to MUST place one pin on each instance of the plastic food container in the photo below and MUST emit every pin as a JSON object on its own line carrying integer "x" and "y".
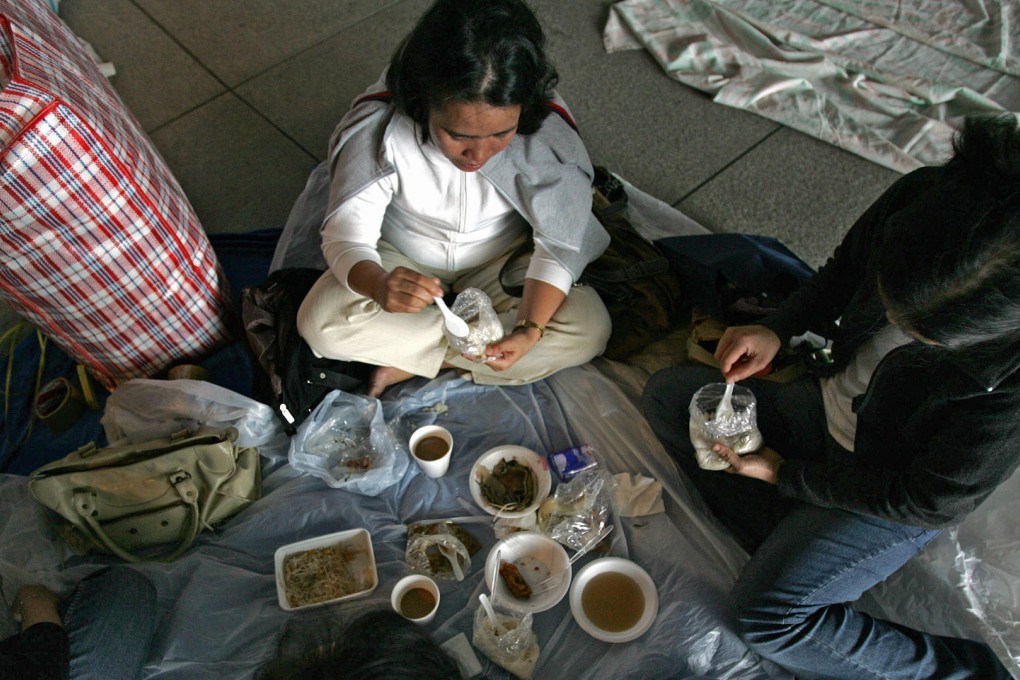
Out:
{"x": 356, "y": 558}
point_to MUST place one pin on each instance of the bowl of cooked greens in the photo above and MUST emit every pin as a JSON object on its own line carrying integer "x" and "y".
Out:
{"x": 510, "y": 481}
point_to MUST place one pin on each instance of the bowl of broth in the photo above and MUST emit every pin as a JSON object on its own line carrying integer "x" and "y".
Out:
{"x": 614, "y": 600}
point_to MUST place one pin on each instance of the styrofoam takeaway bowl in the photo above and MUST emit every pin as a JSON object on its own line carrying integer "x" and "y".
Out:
{"x": 537, "y": 557}
{"x": 623, "y": 566}
{"x": 538, "y": 465}
{"x": 356, "y": 542}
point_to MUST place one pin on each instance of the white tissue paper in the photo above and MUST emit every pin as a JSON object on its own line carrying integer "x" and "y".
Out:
{"x": 636, "y": 495}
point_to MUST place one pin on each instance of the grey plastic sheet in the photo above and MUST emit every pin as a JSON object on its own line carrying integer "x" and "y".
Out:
{"x": 219, "y": 610}
{"x": 888, "y": 80}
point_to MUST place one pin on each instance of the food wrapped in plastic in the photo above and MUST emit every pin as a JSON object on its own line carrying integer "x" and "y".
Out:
{"x": 512, "y": 644}
{"x": 484, "y": 327}
{"x": 347, "y": 442}
{"x": 579, "y": 509}
{"x": 735, "y": 427}
{"x": 441, "y": 556}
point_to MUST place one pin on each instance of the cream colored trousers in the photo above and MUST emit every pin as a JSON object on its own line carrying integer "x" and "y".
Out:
{"x": 341, "y": 324}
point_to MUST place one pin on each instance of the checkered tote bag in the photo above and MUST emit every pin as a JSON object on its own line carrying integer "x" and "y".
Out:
{"x": 99, "y": 247}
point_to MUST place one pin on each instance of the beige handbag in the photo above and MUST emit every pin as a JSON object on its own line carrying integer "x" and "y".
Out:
{"x": 129, "y": 499}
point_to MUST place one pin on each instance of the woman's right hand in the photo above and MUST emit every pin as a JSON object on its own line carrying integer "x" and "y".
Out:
{"x": 746, "y": 350}
{"x": 401, "y": 290}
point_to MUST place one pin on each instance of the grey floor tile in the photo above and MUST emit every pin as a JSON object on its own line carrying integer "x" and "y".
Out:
{"x": 239, "y": 172}
{"x": 156, "y": 78}
{"x": 238, "y": 39}
{"x": 802, "y": 191}
{"x": 662, "y": 136}
{"x": 307, "y": 95}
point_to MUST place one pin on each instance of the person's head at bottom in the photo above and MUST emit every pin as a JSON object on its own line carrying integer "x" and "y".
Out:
{"x": 378, "y": 645}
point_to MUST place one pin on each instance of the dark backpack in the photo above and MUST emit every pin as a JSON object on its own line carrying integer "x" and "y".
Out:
{"x": 632, "y": 276}
{"x": 292, "y": 378}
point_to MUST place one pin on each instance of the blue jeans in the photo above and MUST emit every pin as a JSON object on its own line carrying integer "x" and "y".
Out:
{"x": 791, "y": 603}
{"x": 110, "y": 620}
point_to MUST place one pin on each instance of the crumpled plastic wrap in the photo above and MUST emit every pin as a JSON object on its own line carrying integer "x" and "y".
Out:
{"x": 141, "y": 410}
{"x": 484, "y": 327}
{"x": 347, "y": 443}
{"x": 579, "y": 509}
{"x": 514, "y": 646}
{"x": 440, "y": 556}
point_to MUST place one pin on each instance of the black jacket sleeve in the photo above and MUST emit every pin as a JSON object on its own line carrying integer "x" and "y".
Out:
{"x": 40, "y": 652}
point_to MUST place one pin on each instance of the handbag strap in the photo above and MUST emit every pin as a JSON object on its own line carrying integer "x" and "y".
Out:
{"x": 84, "y": 503}
{"x": 11, "y": 338}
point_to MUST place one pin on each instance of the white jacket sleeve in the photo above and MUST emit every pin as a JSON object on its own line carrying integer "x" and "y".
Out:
{"x": 352, "y": 232}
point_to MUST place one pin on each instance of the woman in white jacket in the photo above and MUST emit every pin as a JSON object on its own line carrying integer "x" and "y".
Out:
{"x": 438, "y": 174}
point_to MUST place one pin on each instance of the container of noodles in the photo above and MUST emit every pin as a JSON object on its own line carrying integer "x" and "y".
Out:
{"x": 324, "y": 570}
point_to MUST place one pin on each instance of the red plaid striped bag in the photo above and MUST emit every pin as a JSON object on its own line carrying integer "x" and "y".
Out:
{"x": 100, "y": 247}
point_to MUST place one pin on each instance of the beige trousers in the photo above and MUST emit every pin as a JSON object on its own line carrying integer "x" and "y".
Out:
{"x": 341, "y": 324}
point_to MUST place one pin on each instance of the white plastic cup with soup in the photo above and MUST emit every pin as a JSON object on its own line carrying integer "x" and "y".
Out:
{"x": 416, "y": 598}
{"x": 432, "y": 447}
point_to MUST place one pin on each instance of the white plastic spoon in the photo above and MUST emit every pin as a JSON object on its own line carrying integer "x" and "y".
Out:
{"x": 497, "y": 629}
{"x": 457, "y": 326}
{"x": 725, "y": 407}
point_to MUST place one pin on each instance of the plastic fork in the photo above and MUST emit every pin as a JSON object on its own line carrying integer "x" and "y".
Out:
{"x": 553, "y": 580}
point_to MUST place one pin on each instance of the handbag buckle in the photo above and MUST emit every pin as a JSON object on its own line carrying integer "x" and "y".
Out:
{"x": 179, "y": 476}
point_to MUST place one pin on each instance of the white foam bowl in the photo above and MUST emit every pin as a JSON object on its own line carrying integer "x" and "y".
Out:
{"x": 537, "y": 557}
{"x": 538, "y": 465}
{"x": 622, "y": 566}
{"x": 362, "y": 566}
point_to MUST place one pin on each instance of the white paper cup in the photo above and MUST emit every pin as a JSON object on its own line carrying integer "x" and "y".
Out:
{"x": 427, "y": 447}
{"x": 416, "y": 598}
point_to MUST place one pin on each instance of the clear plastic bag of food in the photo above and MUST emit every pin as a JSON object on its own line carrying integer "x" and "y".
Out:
{"x": 484, "y": 327}
{"x": 735, "y": 425}
{"x": 579, "y": 509}
{"x": 441, "y": 556}
{"x": 510, "y": 643}
{"x": 346, "y": 442}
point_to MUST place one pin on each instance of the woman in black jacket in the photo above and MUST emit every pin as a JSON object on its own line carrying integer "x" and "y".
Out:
{"x": 912, "y": 426}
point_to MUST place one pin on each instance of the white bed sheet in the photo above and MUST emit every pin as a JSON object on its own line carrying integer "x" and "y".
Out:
{"x": 886, "y": 79}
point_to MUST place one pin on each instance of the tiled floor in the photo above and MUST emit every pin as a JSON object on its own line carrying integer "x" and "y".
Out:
{"x": 240, "y": 97}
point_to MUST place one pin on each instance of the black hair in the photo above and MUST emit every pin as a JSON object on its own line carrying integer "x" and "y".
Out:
{"x": 950, "y": 270}
{"x": 378, "y": 645}
{"x": 470, "y": 51}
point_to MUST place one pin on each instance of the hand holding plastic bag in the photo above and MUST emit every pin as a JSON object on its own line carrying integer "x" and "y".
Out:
{"x": 484, "y": 327}
{"x": 347, "y": 443}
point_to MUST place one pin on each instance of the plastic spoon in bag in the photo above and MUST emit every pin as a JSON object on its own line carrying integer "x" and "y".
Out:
{"x": 457, "y": 326}
{"x": 484, "y": 599}
{"x": 496, "y": 628}
{"x": 451, "y": 555}
{"x": 725, "y": 407}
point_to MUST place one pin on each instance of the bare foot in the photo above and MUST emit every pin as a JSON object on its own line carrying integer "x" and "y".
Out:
{"x": 383, "y": 377}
